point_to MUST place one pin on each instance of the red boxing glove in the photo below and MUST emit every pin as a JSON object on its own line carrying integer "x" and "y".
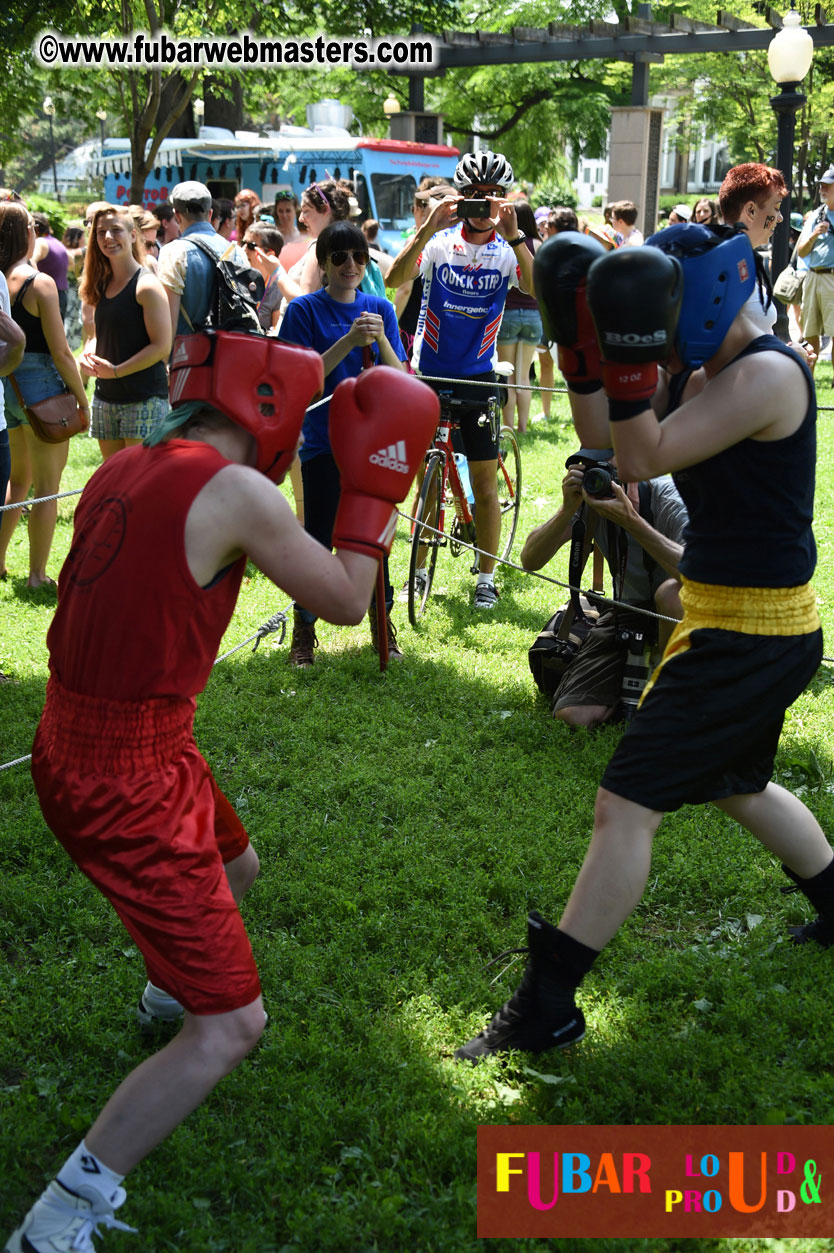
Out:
{"x": 380, "y": 427}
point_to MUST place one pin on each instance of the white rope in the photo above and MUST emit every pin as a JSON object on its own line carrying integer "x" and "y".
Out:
{"x": 17, "y": 761}
{"x": 26, "y": 504}
{"x": 278, "y": 622}
{"x": 536, "y": 574}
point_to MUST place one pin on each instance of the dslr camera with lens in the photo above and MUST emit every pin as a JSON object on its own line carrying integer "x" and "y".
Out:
{"x": 597, "y": 474}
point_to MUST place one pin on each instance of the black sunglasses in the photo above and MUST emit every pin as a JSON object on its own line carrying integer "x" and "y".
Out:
{"x": 247, "y": 243}
{"x": 481, "y": 193}
{"x": 340, "y": 257}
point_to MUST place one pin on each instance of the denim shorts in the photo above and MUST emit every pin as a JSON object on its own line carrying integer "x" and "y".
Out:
{"x": 520, "y": 326}
{"x": 37, "y": 379}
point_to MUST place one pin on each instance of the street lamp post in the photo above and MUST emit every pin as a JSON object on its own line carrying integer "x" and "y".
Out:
{"x": 101, "y": 114}
{"x": 789, "y": 58}
{"x": 49, "y": 110}
{"x": 199, "y": 107}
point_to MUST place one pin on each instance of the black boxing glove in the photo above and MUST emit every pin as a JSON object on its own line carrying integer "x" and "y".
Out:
{"x": 560, "y": 270}
{"x": 634, "y": 296}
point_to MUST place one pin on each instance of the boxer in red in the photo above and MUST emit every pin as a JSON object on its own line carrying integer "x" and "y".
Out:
{"x": 160, "y": 544}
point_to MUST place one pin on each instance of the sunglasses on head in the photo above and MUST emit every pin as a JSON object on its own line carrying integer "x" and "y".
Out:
{"x": 316, "y": 193}
{"x": 340, "y": 257}
{"x": 284, "y": 195}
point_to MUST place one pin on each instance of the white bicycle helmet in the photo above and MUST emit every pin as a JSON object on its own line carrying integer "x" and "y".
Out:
{"x": 486, "y": 169}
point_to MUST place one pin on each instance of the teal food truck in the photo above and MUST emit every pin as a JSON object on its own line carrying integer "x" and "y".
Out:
{"x": 385, "y": 172}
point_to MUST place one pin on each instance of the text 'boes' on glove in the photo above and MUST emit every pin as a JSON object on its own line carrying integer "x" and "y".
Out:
{"x": 634, "y": 296}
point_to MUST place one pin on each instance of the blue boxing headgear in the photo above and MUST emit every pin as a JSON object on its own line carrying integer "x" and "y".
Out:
{"x": 719, "y": 274}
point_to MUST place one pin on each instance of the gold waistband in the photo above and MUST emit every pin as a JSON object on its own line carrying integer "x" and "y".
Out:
{"x": 750, "y": 610}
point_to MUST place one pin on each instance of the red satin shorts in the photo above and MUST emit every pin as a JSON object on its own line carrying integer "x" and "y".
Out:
{"x": 126, "y": 791}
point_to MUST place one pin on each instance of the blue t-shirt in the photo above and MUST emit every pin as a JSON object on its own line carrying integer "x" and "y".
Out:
{"x": 317, "y": 321}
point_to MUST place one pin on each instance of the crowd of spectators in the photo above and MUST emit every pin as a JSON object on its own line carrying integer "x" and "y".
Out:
{"x": 279, "y": 241}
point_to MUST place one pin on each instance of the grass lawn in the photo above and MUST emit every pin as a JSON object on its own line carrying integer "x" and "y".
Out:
{"x": 405, "y": 823}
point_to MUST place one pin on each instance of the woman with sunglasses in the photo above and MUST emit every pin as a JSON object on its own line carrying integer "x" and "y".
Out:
{"x": 48, "y": 368}
{"x": 351, "y": 330}
{"x": 264, "y": 247}
{"x": 133, "y": 334}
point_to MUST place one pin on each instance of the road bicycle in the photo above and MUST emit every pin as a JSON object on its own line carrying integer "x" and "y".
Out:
{"x": 442, "y": 491}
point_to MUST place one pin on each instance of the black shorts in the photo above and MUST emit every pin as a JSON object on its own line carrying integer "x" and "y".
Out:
{"x": 710, "y": 723}
{"x": 479, "y": 441}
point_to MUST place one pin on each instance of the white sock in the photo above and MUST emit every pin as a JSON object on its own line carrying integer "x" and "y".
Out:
{"x": 83, "y": 1168}
{"x": 486, "y": 578}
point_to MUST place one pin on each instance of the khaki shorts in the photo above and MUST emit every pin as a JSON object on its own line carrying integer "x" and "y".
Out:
{"x": 818, "y": 304}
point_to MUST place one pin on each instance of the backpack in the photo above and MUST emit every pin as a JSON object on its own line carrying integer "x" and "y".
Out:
{"x": 237, "y": 292}
{"x": 556, "y": 645}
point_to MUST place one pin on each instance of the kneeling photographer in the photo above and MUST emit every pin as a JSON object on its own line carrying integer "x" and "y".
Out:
{"x": 642, "y": 543}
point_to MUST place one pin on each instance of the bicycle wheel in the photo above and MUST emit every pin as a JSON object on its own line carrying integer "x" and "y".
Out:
{"x": 424, "y": 542}
{"x": 509, "y": 488}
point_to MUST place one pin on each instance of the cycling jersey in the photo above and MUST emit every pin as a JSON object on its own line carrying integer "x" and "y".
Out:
{"x": 464, "y": 289}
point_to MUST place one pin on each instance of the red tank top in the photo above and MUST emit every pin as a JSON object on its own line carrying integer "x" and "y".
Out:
{"x": 131, "y": 622}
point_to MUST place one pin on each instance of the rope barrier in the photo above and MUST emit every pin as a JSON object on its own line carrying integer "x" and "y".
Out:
{"x": 545, "y": 578}
{"x": 40, "y": 500}
{"x": 278, "y": 621}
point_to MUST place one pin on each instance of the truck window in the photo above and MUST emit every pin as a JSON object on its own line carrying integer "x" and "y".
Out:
{"x": 362, "y": 196}
{"x": 394, "y": 196}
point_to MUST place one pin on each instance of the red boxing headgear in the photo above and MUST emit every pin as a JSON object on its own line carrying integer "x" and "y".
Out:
{"x": 261, "y": 385}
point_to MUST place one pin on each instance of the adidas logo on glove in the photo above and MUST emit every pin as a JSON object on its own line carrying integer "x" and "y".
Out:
{"x": 392, "y": 458}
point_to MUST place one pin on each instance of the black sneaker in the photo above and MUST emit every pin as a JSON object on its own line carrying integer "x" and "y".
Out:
{"x": 818, "y": 930}
{"x": 541, "y": 1014}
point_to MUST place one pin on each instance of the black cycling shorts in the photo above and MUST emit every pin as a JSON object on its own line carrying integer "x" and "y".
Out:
{"x": 478, "y": 440}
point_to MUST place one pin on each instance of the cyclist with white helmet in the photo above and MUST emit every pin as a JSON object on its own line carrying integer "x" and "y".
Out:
{"x": 467, "y": 265}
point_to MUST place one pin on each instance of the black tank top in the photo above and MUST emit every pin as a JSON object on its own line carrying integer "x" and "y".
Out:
{"x": 29, "y": 323}
{"x": 120, "y": 333}
{"x": 752, "y": 505}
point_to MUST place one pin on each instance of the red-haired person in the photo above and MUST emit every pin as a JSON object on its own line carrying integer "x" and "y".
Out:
{"x": 751, "y": 195}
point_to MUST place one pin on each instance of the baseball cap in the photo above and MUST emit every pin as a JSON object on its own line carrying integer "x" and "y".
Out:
{"x": 191, "y": 193}
{"x": 828, "y": 176}
{"x": 683, "y": 211}
{"x": 438, "y": 192}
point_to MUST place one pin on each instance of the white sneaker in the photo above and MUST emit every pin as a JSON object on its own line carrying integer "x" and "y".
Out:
{"x": 420, "y": 581}
{"x": 157, "y": 1008}
{"x": 62, "y": 1221}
